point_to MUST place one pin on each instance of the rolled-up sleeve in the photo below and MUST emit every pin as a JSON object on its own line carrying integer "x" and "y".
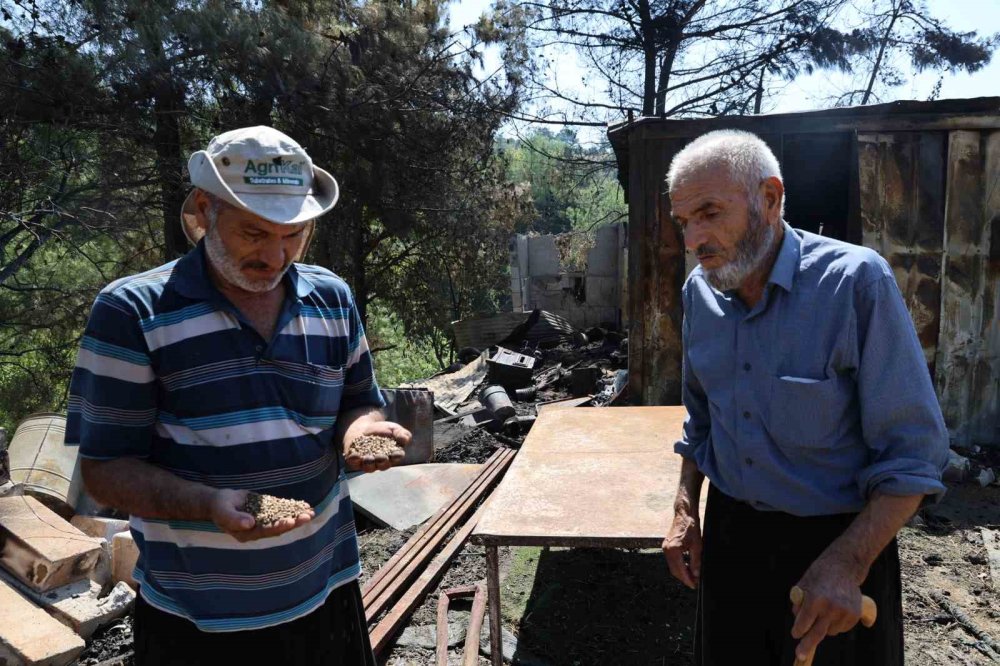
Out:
{"x": 112, "y": 404}
{"x": 698, "y": 423}
{"x": 901, "y": 419}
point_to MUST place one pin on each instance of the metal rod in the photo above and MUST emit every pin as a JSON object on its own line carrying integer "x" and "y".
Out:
{"x": 471, "y": 656}
{"x": 493, "y": 594}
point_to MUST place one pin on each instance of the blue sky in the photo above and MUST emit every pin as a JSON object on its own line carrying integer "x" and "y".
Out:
{"x": 814, "y": 91}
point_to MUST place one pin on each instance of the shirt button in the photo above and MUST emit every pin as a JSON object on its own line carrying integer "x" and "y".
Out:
{"x": 747, "y": 366}
{"x": 746, "y": 415}
{"x": 259, "y": 348}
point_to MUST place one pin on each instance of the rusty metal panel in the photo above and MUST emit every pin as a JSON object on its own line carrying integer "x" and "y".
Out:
{"x": 902, "y": 198}
{"x": 656, "y": 270}
{"x": 987, "y": 379}
{"x": 969, "y": 344}
{"x": 590, "y": 476}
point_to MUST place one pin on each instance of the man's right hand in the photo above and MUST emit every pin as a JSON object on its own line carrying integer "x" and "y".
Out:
{"x": 225, "y": 509}
{"x": 683, "y": 548}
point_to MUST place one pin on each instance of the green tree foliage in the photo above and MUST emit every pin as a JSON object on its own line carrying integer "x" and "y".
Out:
{"x": 573, "y": 187}
{"x": 901, "y": 33}
{"x": 105, "y": 99}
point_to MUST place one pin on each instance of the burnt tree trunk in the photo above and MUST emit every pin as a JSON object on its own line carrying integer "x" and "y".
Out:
{"x": 168, "y": 107}
{"x": 648, "y": 32}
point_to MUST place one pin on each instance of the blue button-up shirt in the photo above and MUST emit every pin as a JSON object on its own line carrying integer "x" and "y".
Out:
{"x": 817, "y": 396}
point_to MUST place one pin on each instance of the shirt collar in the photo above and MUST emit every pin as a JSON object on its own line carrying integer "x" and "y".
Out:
{"x": 786, "y": 265}
{"x": 191, "y": 277}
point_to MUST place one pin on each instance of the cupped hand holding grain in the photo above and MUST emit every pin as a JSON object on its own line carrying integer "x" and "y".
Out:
{"x": 247, "y": 516}
{"x": 379, "y": 447}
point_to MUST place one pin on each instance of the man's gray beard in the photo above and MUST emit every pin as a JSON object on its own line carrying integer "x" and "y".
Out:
{"x": 751, "y": 252}
{"x": 229, "y": 269}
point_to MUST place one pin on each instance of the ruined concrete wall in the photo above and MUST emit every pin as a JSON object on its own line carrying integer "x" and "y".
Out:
{"x": 570, "y": 275}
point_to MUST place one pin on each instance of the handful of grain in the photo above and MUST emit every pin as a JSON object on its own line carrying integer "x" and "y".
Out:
{"x": 374, "y": 445}
{"x": 267, "y": 509}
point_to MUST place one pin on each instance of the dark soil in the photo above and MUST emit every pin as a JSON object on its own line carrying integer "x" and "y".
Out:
{"x": 606, "y": 607}
{"x": 475, "y": 447}
{"x": 377, "y": 545}
{"x": 946, "y": 554}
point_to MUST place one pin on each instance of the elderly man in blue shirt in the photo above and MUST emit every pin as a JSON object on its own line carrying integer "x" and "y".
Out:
{"x": 235, "y": 369}
{"x": 812, "y": 414}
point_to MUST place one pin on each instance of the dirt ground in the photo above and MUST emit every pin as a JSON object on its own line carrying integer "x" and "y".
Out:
{"x": 947, "y": 554}
{"x": 581, "y": 607}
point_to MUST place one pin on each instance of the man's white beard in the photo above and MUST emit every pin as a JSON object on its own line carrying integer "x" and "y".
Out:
{"x": 751, "y": 252}
{"x": 230, "y": 270}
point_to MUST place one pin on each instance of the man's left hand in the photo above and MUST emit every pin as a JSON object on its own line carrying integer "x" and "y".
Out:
{"x": 371, "y": 463}
{"x": 831, "y": 606}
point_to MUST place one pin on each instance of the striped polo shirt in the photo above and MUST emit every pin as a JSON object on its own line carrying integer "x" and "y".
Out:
{"x": 169, "y": 371}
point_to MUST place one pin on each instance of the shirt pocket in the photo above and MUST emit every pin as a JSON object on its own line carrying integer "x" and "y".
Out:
{"x": 311, "y": 389}
{"x": 809, "y": 414}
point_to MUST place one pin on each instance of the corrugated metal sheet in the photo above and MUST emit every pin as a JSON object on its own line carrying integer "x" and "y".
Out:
{"x": 483, "y": 331}
{"x": 901, "y": 177}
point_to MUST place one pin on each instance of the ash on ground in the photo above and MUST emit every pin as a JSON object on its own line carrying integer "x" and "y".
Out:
{"x": 110, "y": 646}
{"x": 475, "y": 447}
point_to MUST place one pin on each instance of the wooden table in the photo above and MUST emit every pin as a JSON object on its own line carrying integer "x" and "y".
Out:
{"x": 588, "y": 476}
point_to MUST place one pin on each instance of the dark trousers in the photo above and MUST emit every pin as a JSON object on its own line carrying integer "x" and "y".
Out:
{"x": 335, "y": 634}
{"x": 750, "y": 561}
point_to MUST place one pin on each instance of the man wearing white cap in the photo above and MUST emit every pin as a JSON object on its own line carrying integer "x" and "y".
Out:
{"x": 234, "y": 369}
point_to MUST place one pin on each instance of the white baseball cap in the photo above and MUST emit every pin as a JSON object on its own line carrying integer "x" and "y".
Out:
{"x": 263, "y": 171}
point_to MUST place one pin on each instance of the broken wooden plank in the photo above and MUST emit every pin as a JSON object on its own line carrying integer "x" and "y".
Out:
{"x": 415, "y": 594}
{"x": 991, "y": 541}
{"x": 79, "y": 605}
{"x": 379, "y": 594}
{"x": 99, "y": 528}
{"x": 28, "y": 635}
{"x": 40, "y": 548}
{"x": 124, "y": 555}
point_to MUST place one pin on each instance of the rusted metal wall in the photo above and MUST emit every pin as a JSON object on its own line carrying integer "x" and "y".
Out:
{"x": 926, "y": 195}
{"x": 929, "y": 205}
{"x": 656, "y": 274}
{"x": 968, "y": 359}
{"x": 901, "y": 177}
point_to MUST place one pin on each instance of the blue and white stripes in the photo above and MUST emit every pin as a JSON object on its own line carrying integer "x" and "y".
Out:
{"x": 169, "y": 371}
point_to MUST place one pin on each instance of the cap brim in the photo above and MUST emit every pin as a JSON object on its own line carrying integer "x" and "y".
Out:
{"x": 276, "y": 208}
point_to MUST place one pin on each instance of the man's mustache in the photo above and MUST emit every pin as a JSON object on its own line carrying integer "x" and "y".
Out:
{"x": 706, "y": 249}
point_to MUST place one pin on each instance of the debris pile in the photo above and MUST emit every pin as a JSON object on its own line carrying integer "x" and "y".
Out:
{"x": 542, "y": 363}
{"x": 973, "y": 465}
{"x": 62, "y": 576}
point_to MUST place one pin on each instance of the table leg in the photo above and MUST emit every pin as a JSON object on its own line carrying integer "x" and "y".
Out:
{"x": 493, "y": 596}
